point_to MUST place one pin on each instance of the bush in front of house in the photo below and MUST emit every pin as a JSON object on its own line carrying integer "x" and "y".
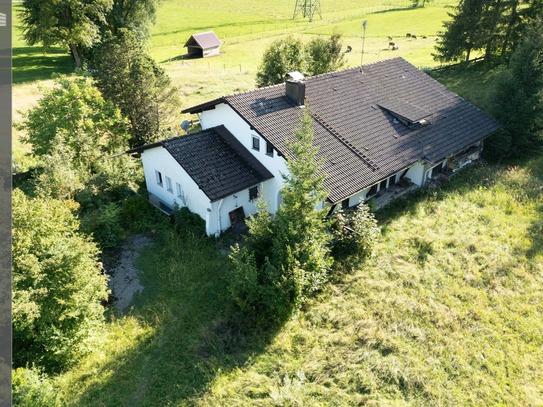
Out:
{"x": 187, "y": 223}
{"x": 354, "y": 235}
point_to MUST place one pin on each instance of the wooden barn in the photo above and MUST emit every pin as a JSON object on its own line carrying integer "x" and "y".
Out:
{"x": 203, "y": 45}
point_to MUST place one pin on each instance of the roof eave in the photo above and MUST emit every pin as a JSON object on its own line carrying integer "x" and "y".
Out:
{"x": 204, "y": 106}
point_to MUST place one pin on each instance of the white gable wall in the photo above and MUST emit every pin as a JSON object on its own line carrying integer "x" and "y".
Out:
{"x": 220, "y": 209}
{"x": 159, "y": 159}
{"x": 225, "y": 115}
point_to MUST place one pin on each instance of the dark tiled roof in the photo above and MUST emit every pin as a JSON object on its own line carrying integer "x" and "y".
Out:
{"x": 216, "y": 161}
{"x": 203, "y": 40}
{"x": 355, "y": 121}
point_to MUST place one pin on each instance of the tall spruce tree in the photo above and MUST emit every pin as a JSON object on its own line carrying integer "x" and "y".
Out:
{"x": 492, "y": 27}
{"x": 518, "y": 100}
{"x": 132, "y": 80}
{"x": 287, "y": 257}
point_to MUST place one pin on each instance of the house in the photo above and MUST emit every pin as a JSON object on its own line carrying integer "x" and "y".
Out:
{"x": 203, "y": 45}
{"x": 379, "y": 130}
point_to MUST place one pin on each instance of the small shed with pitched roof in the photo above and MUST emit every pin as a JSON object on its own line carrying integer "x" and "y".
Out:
{"x": 203, "y": 45}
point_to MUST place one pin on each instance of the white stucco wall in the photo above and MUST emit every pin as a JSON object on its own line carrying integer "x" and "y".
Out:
{"x": 217, "y": 219}
{"x": 220, "y": 209}
{"x": 158, "y": 159}
{"x": 416, "y": 173}
{"x": 223, "y": 114}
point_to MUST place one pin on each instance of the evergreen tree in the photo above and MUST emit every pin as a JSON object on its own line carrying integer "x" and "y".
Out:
{"x": 286, "y": 259}
{"x": 518, "y": 100}
{"x": 140, "y": 88}
{"x": 462, "y": 32}
{"x": 300, "y": 246}
{"x": 493, "y": 27}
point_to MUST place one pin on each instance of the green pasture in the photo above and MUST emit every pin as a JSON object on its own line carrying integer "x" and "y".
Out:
{"x": 246, "y": 31}
{"x": 246, "y": 28}
{"x": 448, "y": 312}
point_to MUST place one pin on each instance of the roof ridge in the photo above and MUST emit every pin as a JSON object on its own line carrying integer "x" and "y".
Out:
{"x": 243, "y": 92}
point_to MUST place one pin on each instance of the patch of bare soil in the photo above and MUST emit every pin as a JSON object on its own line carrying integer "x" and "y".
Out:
{"x": 123, "y": 275}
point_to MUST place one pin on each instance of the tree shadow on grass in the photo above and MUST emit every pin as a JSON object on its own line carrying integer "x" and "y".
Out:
{"x": 34, "y": 63}
{"x": 536, "y": 236}
{"x": 195, "y": 339}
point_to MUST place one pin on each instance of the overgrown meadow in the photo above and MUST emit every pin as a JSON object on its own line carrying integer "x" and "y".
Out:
{"x": 448, "y": 311}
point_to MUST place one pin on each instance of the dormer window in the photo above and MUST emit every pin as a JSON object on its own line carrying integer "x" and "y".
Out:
{"x": 256, "y": 143}
{"x": 407, "y": 113}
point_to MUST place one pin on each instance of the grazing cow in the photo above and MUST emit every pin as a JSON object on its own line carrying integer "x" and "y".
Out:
{"x": 408, "y": 35}
{"x": 413, "y": 37}
{"x": 392, "y": 45}
{"x": 349, "y": 49}
{"x": 389, "y": 38}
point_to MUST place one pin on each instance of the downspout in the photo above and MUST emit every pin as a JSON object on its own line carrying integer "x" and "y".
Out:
{"x": 426, "y": 175}
{"x": 219, "y": 218}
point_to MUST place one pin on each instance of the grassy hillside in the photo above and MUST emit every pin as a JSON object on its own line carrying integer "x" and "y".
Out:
{"x": 447, "y": 312}
{"x": 247, "y": 28}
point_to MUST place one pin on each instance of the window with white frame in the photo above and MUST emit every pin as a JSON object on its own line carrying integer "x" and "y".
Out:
{"x": 178, "y": 189}
{"x": 256, "y": 143}
{"x": 169, "y": 185}
{"x": 158, "y": 177}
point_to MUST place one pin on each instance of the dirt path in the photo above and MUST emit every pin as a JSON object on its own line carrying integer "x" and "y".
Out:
{"x": 123, "y": 275}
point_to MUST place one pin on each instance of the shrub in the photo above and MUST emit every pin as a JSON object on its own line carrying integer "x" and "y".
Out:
{"x": 188, "y": 223}
{"x": 355, "y": 234}
{"x": 105, "y": 225}
{"x": 32, "y": 388}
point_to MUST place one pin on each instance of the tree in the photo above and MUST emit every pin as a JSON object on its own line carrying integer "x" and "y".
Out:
{"x": 324, "y": 55}
{"x": 135, "y": 15}
{"x": 137, "y": 85}
{"x": 354, "y": 235}
{"x": 286, "y": 259}
{"x": 289, "y": 54}
{"x": 300, "y": 245}
{"x": 518, "y": 99}
{"x": 57, "y": 284}
{"x": 71, "y": 23}
{"x": 462, "y": 32}
{"x": 281, "y": 57}
{"x": 493, "y": 26}
{"x": 74, "y": 116}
